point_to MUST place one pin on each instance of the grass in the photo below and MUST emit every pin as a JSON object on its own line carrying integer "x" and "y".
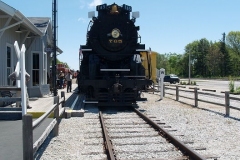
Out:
{"x": 232, "y": 88}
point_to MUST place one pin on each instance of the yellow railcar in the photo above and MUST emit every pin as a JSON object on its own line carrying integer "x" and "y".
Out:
{"x": 149, "y": 60}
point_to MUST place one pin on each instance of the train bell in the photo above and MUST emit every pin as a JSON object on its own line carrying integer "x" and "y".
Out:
{"x": 114, "y": 9}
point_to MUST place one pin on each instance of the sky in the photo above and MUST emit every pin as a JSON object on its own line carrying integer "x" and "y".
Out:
{"x": 166, "y": 26}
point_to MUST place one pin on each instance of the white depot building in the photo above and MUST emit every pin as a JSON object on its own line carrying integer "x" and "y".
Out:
{"x": 37, "y": 35}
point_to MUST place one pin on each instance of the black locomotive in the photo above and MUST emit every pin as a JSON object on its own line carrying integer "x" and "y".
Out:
{"x": 111, "y": 72}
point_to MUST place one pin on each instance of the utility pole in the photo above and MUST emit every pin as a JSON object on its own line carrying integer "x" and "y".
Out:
{"x": 54, "y": 65}
{"x": 189, "y": 68}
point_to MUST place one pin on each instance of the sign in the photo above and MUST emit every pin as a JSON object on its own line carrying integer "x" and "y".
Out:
{"x": 44, "y": 89}
{"x": 162, "y": 73}
{"x": 48, "y": 50}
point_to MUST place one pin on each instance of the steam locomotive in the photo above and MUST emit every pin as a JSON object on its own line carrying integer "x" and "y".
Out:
{"x": 111, "y": 72}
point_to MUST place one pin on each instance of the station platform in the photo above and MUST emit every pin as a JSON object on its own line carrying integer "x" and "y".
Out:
{"x": 73, "y": 102}
{"x": 74, "y": 105}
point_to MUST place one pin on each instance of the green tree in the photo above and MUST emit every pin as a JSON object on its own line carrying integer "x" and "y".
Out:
{"x": 202, "y": 50}
{"x": 226, "y": 65}
{"x": 214, "y": 60}
{"x": 233, "y": 48}
{"x": 173, "y": 59}
{"x": 191, "y": 53}
{"x": 233, "y": 41}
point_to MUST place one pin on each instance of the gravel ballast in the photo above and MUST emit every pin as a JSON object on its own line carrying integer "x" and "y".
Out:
{"x": 205, "y": 126}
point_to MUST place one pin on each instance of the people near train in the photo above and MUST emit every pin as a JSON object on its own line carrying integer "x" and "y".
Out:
{"x": 68, "y": 78}
{"x": 78, "y": 80}
{"x": 14, "y": 78}
{"x": 61, "y": 78}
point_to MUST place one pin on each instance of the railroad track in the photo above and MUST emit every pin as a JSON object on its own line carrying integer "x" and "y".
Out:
{"x": 124, "y": 134}
{"x": 132, "y": 135}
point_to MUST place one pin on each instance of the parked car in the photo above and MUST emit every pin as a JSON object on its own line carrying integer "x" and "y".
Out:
{"x": 172, "y": 78}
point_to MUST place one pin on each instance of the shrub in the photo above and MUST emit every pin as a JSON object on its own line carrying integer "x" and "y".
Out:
{"x": 231, "y": 86}
{"x": 186, "y": 83}
{"x": 237, "y": 90}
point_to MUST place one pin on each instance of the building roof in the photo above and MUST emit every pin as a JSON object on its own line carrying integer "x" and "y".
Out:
{"x": 38, "y": 25}
{"x": 40, "y": 22}
{"x": 18, "y": 16}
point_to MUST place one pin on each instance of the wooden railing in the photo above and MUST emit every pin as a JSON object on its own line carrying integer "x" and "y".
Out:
{"x": 29, "y": 149}
{"x": 28, "y": 125}
{"x": 196, "y": 98}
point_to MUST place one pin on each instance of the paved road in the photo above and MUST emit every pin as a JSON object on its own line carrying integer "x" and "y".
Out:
{"x": 11, "y": 138}
{"x": 218, "y": 85}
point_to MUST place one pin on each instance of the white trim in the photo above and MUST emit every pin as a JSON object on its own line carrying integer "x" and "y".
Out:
{"x": 6, "y": 24}
{"x": 12, "y": 25}
{"x": 7, "y": 9}
{"x": 19, "y": 17}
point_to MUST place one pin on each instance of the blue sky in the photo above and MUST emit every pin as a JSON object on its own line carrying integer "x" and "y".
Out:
{"x": 165, "y": 25}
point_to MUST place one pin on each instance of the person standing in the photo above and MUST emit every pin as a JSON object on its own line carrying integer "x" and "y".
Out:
{"x": 69, "y": 81}
{"x": 14, "y": 78}
{"x": 61, "y": 76}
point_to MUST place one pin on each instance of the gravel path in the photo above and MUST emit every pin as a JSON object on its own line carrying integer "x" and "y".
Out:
{"x": 206, "y": 126}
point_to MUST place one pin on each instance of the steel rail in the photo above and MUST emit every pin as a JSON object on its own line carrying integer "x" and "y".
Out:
{"x": 184, "y": 148}
{"x": 107, "y": 142}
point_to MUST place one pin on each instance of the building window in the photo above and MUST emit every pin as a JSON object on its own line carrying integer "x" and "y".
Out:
{"x": 9, "y": 64}
{"x": 35, "y": 70}
{"x": 45, "y": 78}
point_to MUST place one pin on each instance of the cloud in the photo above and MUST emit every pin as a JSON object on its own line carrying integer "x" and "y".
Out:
{"x": 82, "y": 4}
{"x": 83, "y": 20}
{"x": 94, "y": 3}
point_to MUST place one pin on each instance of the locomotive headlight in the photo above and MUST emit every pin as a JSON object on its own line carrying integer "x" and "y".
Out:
{"x": 115, "y": 33}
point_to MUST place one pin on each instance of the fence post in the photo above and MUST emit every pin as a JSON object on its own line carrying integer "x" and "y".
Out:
{"x": 196, "y": 96}
{"x": 177, "y": 93}
{"x": 163, "y": 90}
{"x": 27, "y": 136}
{"x": 56, "y": 115}
{"x": 227, "y": 103}
{"x": 63, "y": 95}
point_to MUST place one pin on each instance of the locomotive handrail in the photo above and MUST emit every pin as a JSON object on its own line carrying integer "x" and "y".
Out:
{"x": 141, "y": 50}
{"x": 135, "y": 76}
{"x": 84, "y": 101}
{"x": 112, "y": 70}
{"x": 139, "y": 37}
{"x": 86, "y": 50}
